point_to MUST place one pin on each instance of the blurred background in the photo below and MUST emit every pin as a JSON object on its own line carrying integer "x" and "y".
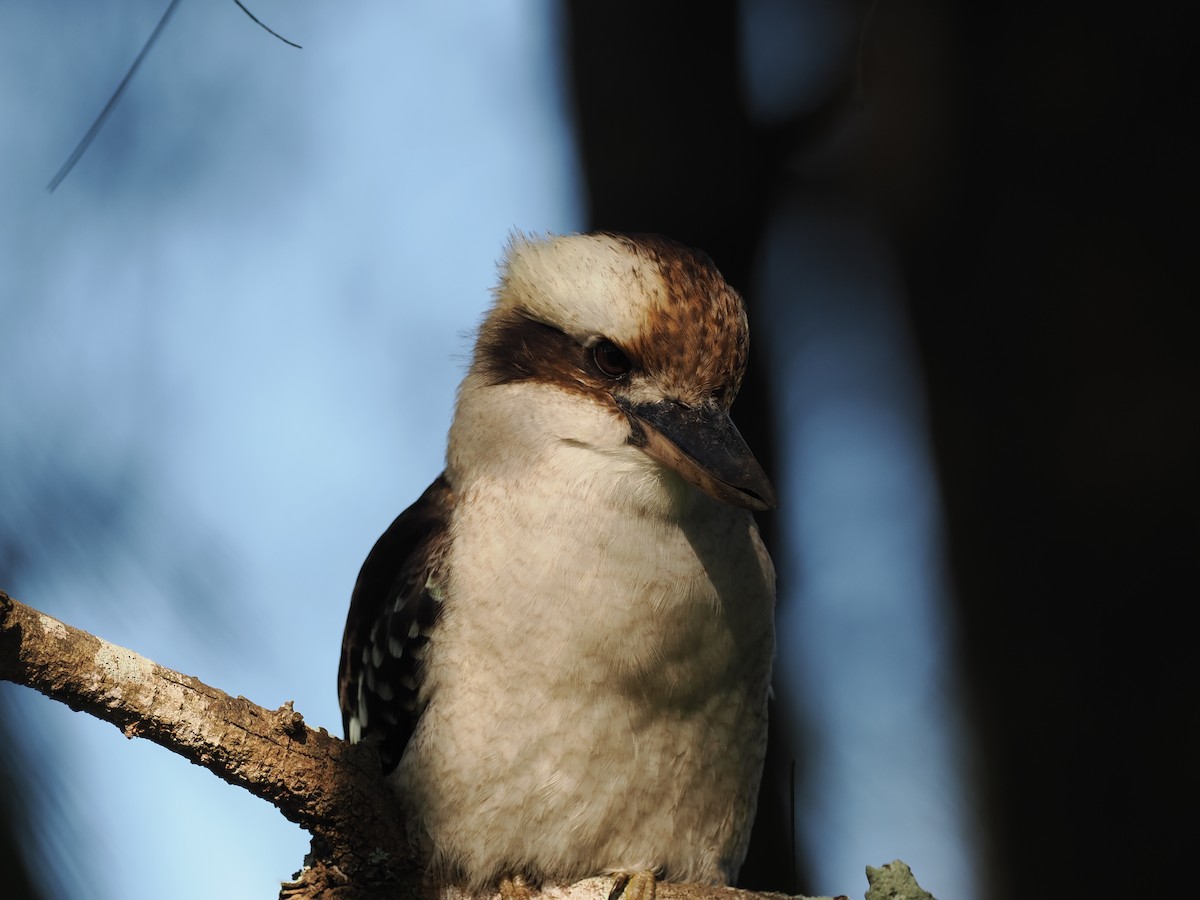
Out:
{"x": 232, "y": 336}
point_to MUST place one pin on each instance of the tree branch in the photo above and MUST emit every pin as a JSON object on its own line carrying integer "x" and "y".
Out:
{"x": 331, "y": 789}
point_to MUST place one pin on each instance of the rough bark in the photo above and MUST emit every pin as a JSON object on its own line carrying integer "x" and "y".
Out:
{"x": 331, "y": 789}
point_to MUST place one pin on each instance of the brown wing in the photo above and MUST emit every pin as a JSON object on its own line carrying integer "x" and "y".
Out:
{"x": 395, "y": 605}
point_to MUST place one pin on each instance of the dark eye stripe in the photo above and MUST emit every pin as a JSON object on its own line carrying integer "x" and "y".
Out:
{"x": 513, "y": 347}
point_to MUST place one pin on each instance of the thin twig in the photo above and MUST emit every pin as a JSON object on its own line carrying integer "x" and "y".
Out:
{"x": 265, "y": 27}
{"x": 82, "y": 146}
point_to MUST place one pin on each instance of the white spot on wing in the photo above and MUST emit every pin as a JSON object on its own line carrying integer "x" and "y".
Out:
{"x": 362, "y": 707}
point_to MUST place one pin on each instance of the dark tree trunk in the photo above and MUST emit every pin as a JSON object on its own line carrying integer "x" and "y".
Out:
{"x": 1055, "y": 304}
{"x": 1033, "y": 171}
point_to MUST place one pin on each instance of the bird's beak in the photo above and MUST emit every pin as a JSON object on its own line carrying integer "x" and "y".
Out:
{"x": 703, "y": 445}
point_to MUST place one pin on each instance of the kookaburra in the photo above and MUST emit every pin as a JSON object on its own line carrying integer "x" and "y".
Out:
{"x": 563, "y": 648}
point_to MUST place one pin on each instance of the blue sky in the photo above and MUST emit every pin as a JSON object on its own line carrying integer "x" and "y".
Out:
{"x": 248, "y": 309}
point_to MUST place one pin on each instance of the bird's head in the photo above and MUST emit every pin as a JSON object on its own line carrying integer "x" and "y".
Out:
{"x": 643, "y": 345}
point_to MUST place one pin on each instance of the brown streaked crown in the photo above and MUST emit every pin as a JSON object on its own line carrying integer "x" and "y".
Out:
{"x": 688, "y": 341}
{"x": 696, "y": 339}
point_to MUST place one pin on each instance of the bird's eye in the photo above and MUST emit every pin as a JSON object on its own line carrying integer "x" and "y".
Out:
{"x": 610, "y": 360}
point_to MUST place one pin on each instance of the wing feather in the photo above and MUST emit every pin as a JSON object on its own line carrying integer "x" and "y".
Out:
{"x": 393, "y": 611}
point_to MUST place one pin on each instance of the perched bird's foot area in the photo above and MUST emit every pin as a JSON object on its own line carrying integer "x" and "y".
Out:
{"x": 515, "y": 887}
{"x": 634, "y": 886}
